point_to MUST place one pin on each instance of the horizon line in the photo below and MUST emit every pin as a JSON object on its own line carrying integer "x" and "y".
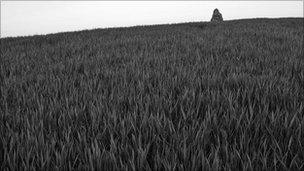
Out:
{"x": 126, "y": 27}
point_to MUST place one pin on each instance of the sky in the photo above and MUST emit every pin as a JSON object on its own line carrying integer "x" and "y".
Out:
{"x": 23, "y": 18}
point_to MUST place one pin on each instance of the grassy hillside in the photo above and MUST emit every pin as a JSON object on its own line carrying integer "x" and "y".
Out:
{"x": 186, "y": 96}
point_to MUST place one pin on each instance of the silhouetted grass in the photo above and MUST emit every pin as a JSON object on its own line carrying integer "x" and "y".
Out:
{"x": 192, "y": 96}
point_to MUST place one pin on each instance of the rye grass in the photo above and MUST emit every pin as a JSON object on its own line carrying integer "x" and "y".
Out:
{"x": 192, "y": 96}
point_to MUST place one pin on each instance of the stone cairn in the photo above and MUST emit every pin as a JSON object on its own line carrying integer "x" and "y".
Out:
{"x": 217, "y": 16}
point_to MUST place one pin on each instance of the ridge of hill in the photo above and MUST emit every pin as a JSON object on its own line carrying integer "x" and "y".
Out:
{"x": 145, "y": 26}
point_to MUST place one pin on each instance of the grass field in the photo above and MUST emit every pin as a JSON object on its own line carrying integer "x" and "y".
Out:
{"x": 190, "y": 96}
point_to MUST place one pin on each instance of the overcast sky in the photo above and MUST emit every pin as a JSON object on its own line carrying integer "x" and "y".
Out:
{"x": 20, "y": 18}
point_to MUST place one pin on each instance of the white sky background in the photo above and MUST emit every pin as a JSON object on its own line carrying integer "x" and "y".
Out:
{"x": 21, "y": 18}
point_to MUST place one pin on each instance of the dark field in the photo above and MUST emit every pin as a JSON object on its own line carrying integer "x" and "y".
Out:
{"x": 191, "y": 96}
